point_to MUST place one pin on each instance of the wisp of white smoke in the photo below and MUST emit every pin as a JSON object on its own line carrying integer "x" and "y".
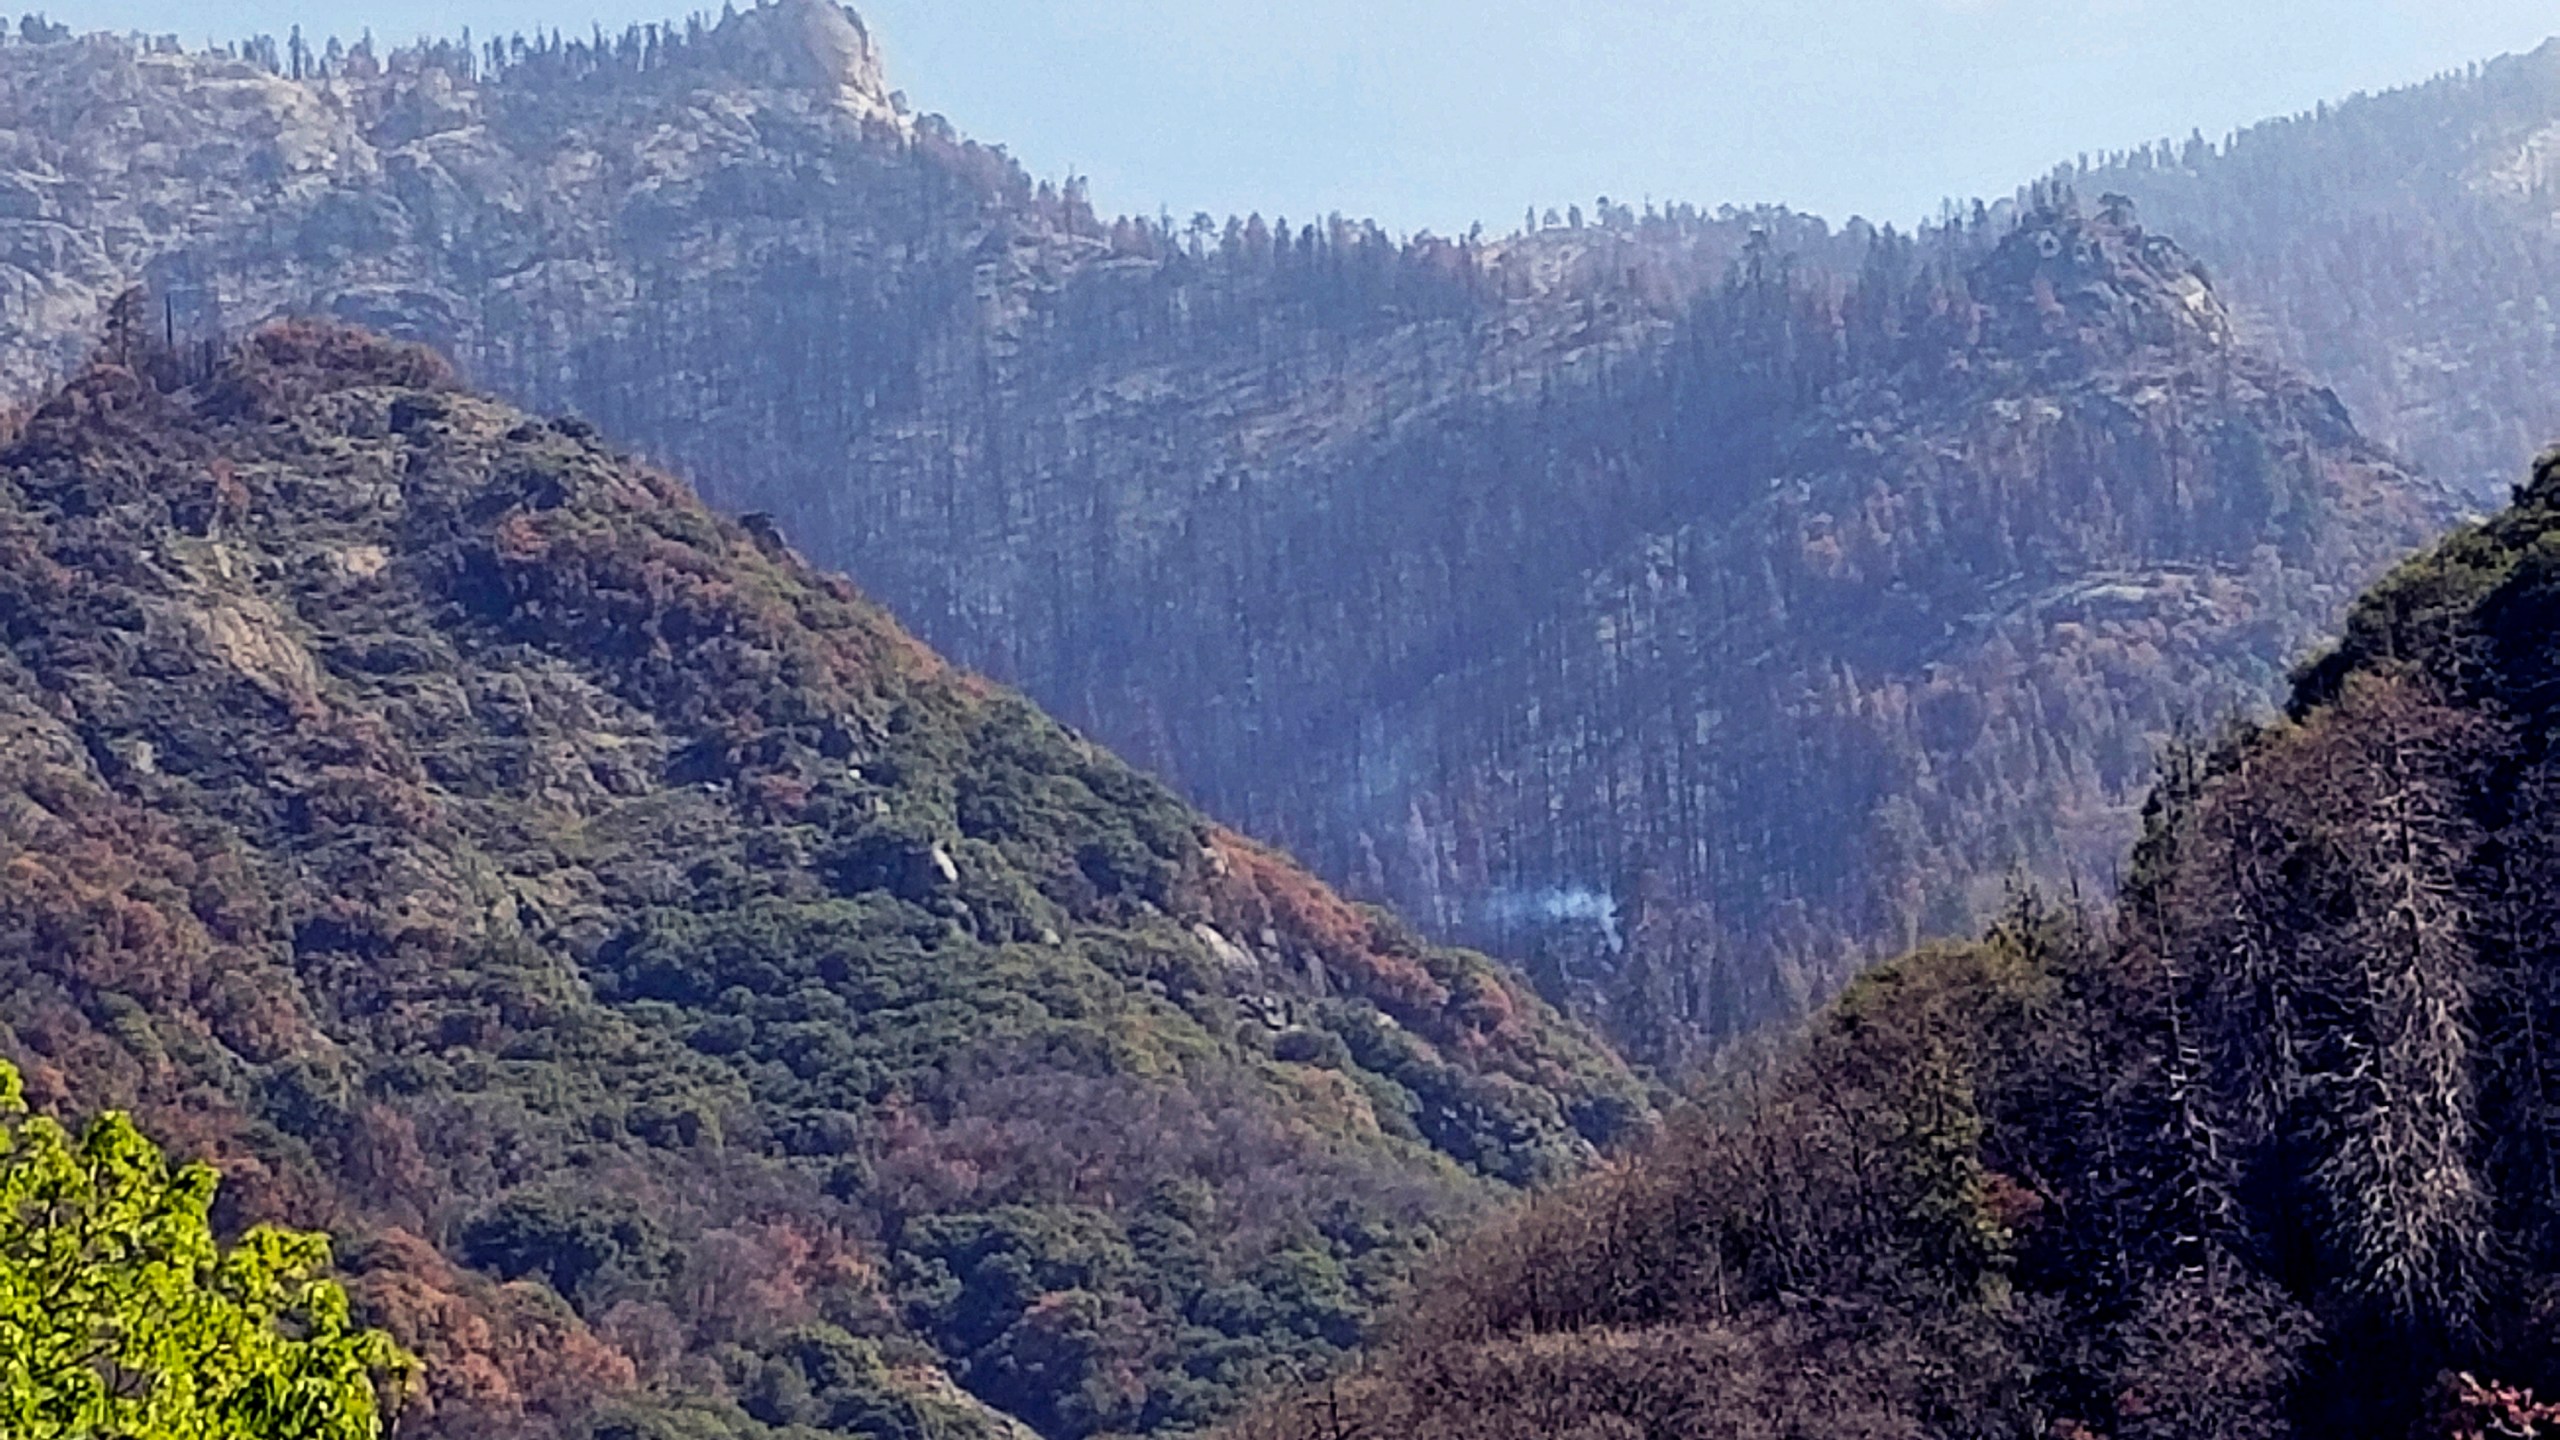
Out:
{"x": 1557, "y": 905}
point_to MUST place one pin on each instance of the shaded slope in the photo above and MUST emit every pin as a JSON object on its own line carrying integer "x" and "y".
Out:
{"x": 485, "y": 849}
{"x": 2267, "y": 1154}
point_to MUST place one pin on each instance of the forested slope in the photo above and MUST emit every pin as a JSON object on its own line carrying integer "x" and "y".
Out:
{"x": 2264, "y": 1151}
{"x": 708, "y": 1012}
{"x": 1910, "y": 575}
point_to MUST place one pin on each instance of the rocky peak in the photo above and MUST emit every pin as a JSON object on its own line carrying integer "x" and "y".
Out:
{"x": 2098, "y": 285}
{"x": 811, "y": 43}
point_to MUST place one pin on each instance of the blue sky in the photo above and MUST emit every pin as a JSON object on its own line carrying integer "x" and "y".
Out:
{"x": 1434, "y": 113}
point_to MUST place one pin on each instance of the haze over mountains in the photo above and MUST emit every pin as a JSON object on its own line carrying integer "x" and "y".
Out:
{"x": 1693, "y": 605}
{"x": 710, "y": 1014}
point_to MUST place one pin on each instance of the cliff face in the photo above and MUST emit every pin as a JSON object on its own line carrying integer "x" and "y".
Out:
{"x": 704, "y": 1010}
{"x": 1697, "y": 603}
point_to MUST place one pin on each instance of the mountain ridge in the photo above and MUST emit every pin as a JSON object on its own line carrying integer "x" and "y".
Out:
{"x": 2395, "y": 244}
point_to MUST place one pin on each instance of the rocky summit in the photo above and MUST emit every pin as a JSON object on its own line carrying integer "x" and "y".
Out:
{"x": 2398, "y": 245}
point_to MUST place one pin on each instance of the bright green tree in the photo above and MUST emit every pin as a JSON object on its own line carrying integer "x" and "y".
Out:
{"x": 121, "y": 1319}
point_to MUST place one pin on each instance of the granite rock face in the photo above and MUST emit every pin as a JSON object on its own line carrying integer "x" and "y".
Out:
{"x": 1691, "y": 604}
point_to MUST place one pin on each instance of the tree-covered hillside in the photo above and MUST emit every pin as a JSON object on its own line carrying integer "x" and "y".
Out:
{"x": 1881, "y": 589}
{"x": 707, "y": 1012}
{"x": 2265, "y": 1151}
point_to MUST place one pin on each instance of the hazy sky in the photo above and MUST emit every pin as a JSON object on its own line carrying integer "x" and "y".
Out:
{"x": 1433, "y": 113}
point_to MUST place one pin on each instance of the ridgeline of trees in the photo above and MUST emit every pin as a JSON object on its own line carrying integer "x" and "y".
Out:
{"x": 1789, "y": 636}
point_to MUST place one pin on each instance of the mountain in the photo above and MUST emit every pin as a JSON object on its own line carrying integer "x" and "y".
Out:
{"x": 2399, "y": 246}
{"x": 1908, "y": 578}
{"x": 1694, "y": 604}
{"x": 708, "y": 1013}
{"x": 2265, "y": 1151}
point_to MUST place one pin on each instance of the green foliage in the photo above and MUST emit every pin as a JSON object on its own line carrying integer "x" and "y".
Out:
{"x": 121, "y": 1316}
{"x": 802, "y": 1384}
{"x": 571, "y": 1243}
